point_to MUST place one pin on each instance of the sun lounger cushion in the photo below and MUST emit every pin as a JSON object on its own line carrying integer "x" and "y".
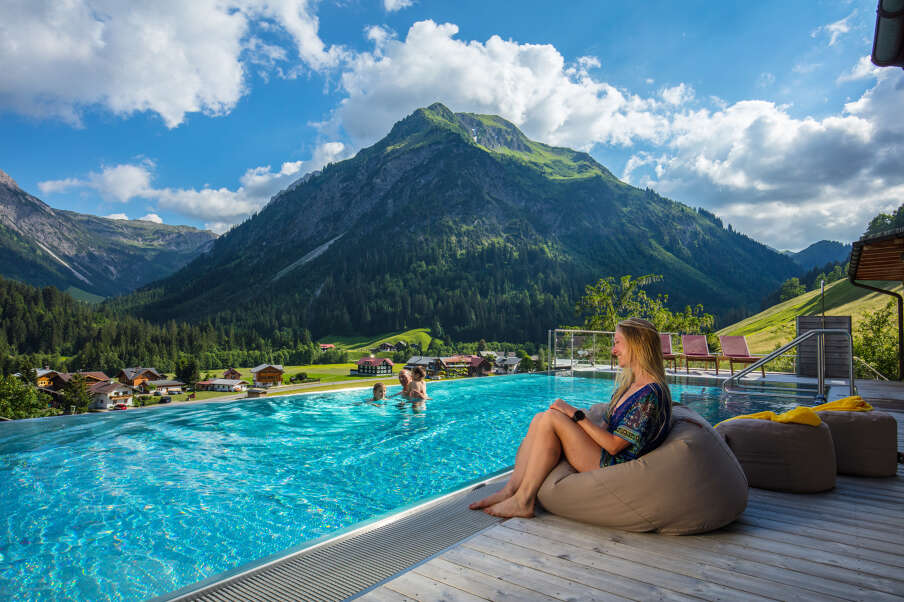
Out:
{"x": 783, "y": 456}
{"x": 692, "y": 483}
{"x": 866, "y": 443}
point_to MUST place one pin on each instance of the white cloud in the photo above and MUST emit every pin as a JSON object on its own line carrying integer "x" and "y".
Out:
{"x": 117, "y": 216}
{"x": 117, "y": 183}
{"x": 784, "y": 180}
{"x": 394, "y": 5}
{"x": 836, "y": 29}
{"x": 168, "y": 57}
{"x": 152, "y": 217}
{"x": 862, "y": 70}
{"x": 529, "y": 84}
{"x": 219, "y": 207}
{"x": 677, "y": 95}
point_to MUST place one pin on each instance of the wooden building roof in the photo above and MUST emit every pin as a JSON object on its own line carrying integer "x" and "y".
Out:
{"x": 878, "y": 257}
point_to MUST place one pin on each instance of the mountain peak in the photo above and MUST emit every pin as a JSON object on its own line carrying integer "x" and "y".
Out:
{"x": 6, "y": 180}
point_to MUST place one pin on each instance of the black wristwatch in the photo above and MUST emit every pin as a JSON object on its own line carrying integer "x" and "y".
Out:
{"x": 578, "y": 415}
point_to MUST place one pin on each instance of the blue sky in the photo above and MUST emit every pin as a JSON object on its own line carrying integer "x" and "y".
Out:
{"x": 767, "y": 113}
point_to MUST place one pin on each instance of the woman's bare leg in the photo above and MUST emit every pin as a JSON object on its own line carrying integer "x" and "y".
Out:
{"x": 518, "y": 472}
{"x": 556, "y": 434}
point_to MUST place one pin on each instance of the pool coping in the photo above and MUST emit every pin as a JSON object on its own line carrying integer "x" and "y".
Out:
{"x": 418, "y": 512}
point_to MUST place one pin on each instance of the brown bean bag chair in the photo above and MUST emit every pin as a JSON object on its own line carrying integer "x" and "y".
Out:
{"x": 692, "y": 483}
{"x": 866, "y": 443}
{"x": 782, "y": 457}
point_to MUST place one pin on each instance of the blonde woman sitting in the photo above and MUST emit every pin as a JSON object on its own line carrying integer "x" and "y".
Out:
{"x": 636, "y": 422}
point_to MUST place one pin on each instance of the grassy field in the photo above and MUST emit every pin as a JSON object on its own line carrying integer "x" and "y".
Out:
{"x": 417, "y": 335}
{"x": 776, "y": 325}
{"x": 325, "y": 372}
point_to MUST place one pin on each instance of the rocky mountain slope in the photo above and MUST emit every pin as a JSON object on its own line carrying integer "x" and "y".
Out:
{"x": 84, "y": 253}
{"x": 459, "y": 221}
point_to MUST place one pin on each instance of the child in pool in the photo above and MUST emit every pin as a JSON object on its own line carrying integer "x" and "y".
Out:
{"x": 417, "y": 391}
{"x": 379, "y": 392}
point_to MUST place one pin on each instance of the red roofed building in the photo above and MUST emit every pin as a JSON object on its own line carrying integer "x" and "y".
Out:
{"x": 479, "y": 366}
{"x": 325, "y": 346}
{"x": 374, "y": 366}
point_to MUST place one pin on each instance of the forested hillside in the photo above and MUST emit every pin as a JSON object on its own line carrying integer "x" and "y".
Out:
{"x": 45, "y": 326}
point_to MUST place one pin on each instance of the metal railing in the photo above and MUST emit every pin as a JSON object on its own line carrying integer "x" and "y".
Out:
{"x": 820, "y": 361}
{"x": 870, "y": 368}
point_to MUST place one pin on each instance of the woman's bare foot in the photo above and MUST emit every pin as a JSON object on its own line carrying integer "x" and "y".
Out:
{"x": 489, "y": 500}
{"x": 511, "y": 507}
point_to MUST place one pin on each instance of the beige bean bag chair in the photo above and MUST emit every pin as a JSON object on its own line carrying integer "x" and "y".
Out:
{"x": 692, "y": 483}
{"x": 781, "y": 456}
{"x": 866, "y": 443}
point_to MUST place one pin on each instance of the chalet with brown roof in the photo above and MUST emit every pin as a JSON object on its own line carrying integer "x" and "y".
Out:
{"x": 107, "y": 394}
{"x": 136, "y": 376}
{"x": 479, "y": 366}
{"x": 232, "y": 374}
{"x": 325, "y": 346}
{"x": 267, "y": 375}
{"x": 55, "y": 381}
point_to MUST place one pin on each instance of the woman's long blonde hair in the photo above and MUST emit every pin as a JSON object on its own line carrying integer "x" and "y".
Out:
{"x": 644, "y": 350}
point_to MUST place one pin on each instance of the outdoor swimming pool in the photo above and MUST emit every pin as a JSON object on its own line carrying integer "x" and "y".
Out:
{"x": 131, "y": 505}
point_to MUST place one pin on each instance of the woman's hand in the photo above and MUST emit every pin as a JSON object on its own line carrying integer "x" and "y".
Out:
{"x": 563, "y": 407}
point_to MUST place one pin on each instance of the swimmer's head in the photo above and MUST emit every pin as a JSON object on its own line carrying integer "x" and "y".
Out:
{"x": 379, "y": 391}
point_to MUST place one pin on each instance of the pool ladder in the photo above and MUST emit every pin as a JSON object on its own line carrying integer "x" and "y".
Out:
{"x": 820, "y": 366}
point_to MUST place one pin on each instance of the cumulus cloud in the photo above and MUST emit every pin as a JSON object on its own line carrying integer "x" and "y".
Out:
{"x": 677, "y": 95}
{"x": 836, "y": 29}
{"x": 168, "y": 57}
{"x": 151, "y": 217}
{"x": 530, "y": 84}
{"x": 786, "y": 180}
{"x": 118, "y": 183}
{"x": 394, "y": 5}
{"x": 863, "y": 69}
{"x": 117, "y": 216}
{"x": 219, "y": 208}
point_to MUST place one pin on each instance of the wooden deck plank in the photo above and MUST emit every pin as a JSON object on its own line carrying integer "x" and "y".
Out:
{"x": 829, "y": 522}
{"x": 601, "y": 578}
{"x": 417, "y": 586}
{"x": 842, "y": 549}
{"x": 758, "y": 544}
{"x": 786, "y": 569}
{"x": 828, "y": 502}
{"x": 823, "y": 529}
{"x": 841, "y": 517}
{"x": 794, "y": 528}
{"x": 486, "y": 554}
{"x": 383, "y": 594}
{"x": 478, "y": 583}
{"x": 670, "y": 555}
{"x": 668, "y": 573}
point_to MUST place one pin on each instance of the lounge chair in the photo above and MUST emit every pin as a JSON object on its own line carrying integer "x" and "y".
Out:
{"x": 665, "y": 340}
{"x": 696, "y": 350}
{"x": 734, "y": 349}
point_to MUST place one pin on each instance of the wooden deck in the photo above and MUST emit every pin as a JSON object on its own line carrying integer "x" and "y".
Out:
{"x": 846, "y": 544}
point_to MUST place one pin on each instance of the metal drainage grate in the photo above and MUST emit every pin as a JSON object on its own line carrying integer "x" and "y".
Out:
{"x": 349, "y": 564}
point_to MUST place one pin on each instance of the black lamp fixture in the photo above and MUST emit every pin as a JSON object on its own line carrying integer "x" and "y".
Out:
{"x": 888, "y": 43}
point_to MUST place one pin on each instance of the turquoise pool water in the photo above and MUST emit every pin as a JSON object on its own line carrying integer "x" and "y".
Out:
{"x": 131, "y": 505}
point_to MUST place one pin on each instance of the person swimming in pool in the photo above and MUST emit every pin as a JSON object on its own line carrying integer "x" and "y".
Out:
{"x": 636, "y": 422}
{"x": 405, "y": 381}
{"x": 417, "y": 391}
{"x": 379, "y": 392}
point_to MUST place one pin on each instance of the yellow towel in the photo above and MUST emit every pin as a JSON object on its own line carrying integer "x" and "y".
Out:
{"x": 799, "y": 415}
{"x": 854, "y": 403}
